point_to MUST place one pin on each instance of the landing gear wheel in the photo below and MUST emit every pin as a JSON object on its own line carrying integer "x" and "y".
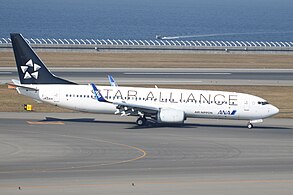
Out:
{"x": 249, "y": 125}
{"x": 141, "y": 121}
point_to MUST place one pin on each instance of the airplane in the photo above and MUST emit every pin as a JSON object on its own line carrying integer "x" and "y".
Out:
{"x": 159, "y": 37}
{"x": 161, "y": 105}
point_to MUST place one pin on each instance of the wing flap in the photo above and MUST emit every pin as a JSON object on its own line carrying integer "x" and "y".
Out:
{"x": 137, "y": 106}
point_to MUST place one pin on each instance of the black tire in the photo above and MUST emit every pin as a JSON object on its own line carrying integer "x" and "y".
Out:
{"x": 141, "y": 121}
{"x": 249, "y": 125}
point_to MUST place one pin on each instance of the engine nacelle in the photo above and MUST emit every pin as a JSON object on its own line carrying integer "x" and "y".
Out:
{"x": 168, "y": 115}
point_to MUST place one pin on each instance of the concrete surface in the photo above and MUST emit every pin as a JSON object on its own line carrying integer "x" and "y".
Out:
{"x": 75, "y": 153}
{"x": 267, "y": 77}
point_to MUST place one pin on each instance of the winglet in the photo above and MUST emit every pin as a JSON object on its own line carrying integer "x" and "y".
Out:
{"x": 112, "y": 81}
{"x": 97, "y": 93}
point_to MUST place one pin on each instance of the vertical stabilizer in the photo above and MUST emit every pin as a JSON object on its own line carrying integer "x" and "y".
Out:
{"x": 31, "y": 69}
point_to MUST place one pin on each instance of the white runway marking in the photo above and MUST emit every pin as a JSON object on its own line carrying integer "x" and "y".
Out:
{"x": 5, "y": 72}
{"x": 178, "y": 73}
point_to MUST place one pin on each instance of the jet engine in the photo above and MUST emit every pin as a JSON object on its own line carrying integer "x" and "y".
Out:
{"x": 168, "y": 115}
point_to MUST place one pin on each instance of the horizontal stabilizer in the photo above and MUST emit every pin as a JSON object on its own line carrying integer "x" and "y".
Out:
{"x": 13, "y": 85}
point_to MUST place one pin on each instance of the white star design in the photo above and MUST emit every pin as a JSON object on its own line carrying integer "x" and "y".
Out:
{"x": 27, "y": 74}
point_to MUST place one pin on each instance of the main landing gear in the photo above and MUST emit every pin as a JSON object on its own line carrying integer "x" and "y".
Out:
{"x": 141, "y": 121}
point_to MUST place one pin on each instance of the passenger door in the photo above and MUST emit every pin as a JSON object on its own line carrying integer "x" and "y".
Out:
{"x": 246, "y": 105}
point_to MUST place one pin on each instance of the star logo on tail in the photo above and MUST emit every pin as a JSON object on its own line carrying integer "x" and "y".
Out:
{"x": 27, "y": 74}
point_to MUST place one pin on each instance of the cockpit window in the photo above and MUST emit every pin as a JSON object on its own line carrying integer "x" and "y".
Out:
{"x": 263, "y": 103}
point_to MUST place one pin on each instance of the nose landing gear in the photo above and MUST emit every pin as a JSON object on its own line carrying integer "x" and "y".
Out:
{"x": 249, "y": 125}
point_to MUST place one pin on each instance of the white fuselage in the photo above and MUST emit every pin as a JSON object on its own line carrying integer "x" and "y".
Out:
{"x": 194, "y": 103}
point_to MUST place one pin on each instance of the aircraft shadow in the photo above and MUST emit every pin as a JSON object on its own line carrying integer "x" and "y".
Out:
{"x": 83, "y": 120}
{"x": 187, "y": 126}
{"x": 239, "y": 126}
{"x": 153, "y": 124}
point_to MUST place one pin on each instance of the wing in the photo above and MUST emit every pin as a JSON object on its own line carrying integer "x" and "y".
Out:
{"x": 125, "y": 108}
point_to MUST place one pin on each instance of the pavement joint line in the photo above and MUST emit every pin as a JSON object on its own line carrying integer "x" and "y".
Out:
{"x": 10, "y": 68}
{"x": 177, "y": 73}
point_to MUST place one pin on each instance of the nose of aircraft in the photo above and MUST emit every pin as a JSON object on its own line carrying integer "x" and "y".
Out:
{"x": 274, "y": 110}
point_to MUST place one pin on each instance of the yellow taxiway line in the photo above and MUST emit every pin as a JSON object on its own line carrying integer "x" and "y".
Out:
{"x": 45, "y": 122}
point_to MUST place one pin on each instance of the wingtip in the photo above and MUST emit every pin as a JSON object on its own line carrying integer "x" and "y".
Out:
{"x": 98, "y": 95}
{"x": 93, "y": 86}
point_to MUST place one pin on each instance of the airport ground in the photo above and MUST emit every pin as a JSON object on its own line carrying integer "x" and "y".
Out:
{"x": 278, "y": 96}
{"x": 65, "y": 152}
{"x": 75, "y": 153}
{"x": 281, "y": 96}
{"x": 158, "y": 60}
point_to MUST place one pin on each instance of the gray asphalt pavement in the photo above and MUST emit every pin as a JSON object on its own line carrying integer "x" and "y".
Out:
{"x": 279, "y": 77}
{"x": 74, "y": 153}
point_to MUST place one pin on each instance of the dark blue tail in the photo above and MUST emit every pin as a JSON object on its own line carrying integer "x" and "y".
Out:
{"x": 31, "y": 69}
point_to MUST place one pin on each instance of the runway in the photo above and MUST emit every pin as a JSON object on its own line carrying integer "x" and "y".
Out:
{"x": 274, "y": 77}
{"x": 75, "y": 153}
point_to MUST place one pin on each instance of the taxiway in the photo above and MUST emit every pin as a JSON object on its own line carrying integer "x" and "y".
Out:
{"x": 224, "y": 76}
{"x": 75, "y": 153}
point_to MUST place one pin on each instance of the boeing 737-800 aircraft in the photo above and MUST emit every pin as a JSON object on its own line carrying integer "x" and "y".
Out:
{"x": 159, "y": 104}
